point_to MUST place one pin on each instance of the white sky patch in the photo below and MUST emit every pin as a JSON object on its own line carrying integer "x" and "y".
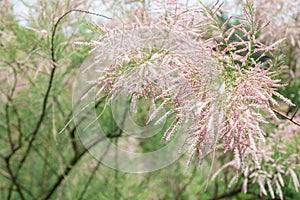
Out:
{"x": 21, "y": 8}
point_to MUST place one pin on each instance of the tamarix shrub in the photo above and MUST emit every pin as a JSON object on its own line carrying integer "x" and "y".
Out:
{"x": 229, "y": 92}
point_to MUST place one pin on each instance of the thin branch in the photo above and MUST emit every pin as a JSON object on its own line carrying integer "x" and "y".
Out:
{"x": 287, "y": 117}
{"x": 13, "y": 181}
{"x": 295, "y": 113}
{"x": 7, "y": 115}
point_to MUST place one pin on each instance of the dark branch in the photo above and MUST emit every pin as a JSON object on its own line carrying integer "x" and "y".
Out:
{"x": 291, "y": 119}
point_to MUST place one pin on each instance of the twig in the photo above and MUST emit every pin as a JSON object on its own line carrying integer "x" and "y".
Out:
{"x": 287, "y": 117}
{"x": 7, "y": 115}
{"x": 13, "y": 180}
{"x": 295, "y": 113}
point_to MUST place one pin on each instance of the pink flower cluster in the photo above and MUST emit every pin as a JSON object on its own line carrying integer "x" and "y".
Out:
{"x": 223, "y": 82}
